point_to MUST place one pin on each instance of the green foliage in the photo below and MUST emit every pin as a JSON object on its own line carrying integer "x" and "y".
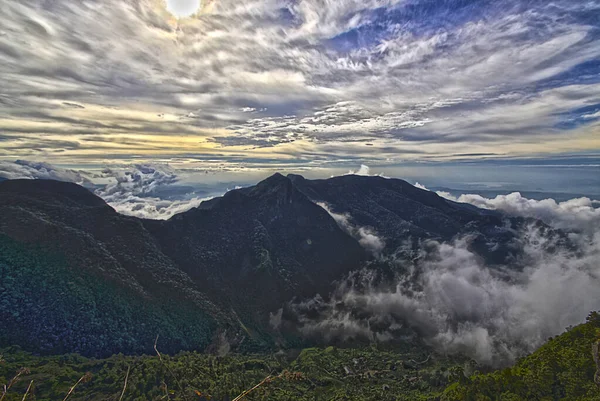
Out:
{"x": 562, "y": 369}
{"x": 49, "y": 306}
{"x": 314, "y": 374}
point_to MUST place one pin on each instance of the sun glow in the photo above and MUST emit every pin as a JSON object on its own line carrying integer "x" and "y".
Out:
{"x": 183, "y": 8}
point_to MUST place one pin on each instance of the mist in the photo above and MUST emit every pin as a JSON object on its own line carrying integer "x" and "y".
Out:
{"x": 448, "y": 297}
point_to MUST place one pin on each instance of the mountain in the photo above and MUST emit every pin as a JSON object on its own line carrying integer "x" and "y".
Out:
{"x": 76, "y": 276}
{"x": 400, "y": 212}
{"x": 257, "y": 246}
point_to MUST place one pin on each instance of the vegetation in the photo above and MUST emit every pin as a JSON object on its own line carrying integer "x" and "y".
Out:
{"x": 48, "y": 306}
{"x": 312, "y": 374}
{"x": 562, "y": 369}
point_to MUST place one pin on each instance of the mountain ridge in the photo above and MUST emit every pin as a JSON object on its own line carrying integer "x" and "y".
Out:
{"x": 231, "y": 262}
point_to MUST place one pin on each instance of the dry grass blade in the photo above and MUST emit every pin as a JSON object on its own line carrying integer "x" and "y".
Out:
{"x": 245, "y": 393}
{"x": 169, "y": 370}
{"x": 83, "y": 378}
{"x": 27, "y": 392}
{"x": 156, "y": 349}
{"x": 22, "y": 371}
{"x": 125, "y": 385}
{"x": 164, "y": 387}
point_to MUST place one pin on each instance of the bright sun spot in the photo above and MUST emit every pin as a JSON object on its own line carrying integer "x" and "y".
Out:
{"x": 183, "y": 8}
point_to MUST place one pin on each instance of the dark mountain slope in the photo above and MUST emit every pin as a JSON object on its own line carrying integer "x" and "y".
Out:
{"x": 226, "y": 265}
{"x": 77, "y": 276}
{"x": 260, "y": 246}
{"x": 398, "y": 212}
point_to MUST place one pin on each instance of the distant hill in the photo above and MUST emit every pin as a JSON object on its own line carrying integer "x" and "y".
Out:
{"x": 76, "y": 276}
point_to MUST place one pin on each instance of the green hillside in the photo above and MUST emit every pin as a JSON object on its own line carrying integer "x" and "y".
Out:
{"x": 562, "y": 369}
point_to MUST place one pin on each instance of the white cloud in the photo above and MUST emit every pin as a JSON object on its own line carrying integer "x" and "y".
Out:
{"x": 23, "y": 169}
{"x": 137, "y": 190}
{"x": 458, "y": 304}
{"x": 578, "y": 214}
{"x": 303, "y": 76}
{"x": 363, "y": 170}
{"x": 133, "y": 191}
{"x": 366, "y": 236}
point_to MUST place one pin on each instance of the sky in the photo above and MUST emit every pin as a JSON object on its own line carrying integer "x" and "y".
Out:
{"x": 446, "y": 89}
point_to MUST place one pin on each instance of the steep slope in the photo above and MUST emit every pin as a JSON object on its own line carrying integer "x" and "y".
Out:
{"x": 259, "y": 246}
{"x": 77, "y": 276}
{"x": 208, "y": 276}
{"x": 401, "y": 213}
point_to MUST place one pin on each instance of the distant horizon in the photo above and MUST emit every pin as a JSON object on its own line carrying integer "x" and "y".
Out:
{"x": 160, "y": 191}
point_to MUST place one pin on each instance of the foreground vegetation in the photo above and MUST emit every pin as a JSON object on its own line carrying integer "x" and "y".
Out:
{"x": 565, "y": 368}
{"x": 312, "y": 374}
{"x": 562, "y": 369}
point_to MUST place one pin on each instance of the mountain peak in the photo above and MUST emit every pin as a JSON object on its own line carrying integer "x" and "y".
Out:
{"x": 51, "y": 190}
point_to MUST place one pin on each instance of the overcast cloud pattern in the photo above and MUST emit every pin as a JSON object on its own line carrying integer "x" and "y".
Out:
{"x": 297, "y": 81}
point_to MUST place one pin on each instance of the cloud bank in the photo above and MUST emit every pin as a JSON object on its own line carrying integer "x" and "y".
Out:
{"x": 456, "y": 303}
{"x": 578, "y": 214}
{"x": 133, "y": 191}
{"x": 448, "y": 297}
{"x": 142, "y": 190}
{"x": 23, "y": 169}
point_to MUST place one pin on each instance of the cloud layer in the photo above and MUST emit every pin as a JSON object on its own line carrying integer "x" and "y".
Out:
{"x": 452, "y": 300}
{"x": 150, "y": 191}
{"x": 578, "y": 214}
{"x": 134, "y": 191}
{"x": 308, "y": 82}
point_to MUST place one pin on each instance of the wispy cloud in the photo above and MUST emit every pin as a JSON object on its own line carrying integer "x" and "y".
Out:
{"x": 384, "y": 80}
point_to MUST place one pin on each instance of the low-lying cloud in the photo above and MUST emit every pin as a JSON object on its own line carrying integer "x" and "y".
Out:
{"x": 578, "y": 214}
{"x": 23, "y": 169}
{"x": 581, "y": 214}
{"x": 133, "y": 191}
{"x": 448, "y": 297}
{"x": 141, "y": 190}
{"x": 366, "y": 237}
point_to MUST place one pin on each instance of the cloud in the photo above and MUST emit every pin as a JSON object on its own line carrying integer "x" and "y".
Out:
{"x": 413, "y": 80}
{"x": 446, "y": 295}
{"x": 366, "y": 237}
{"x": 363, "y": 170}
{"x": 456, "y": 303}
{"x": 23, "y": 169}
{"x": 150, "y": 191}
{"x": 578, "y": 214}
{"x": 134, "y": 191}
